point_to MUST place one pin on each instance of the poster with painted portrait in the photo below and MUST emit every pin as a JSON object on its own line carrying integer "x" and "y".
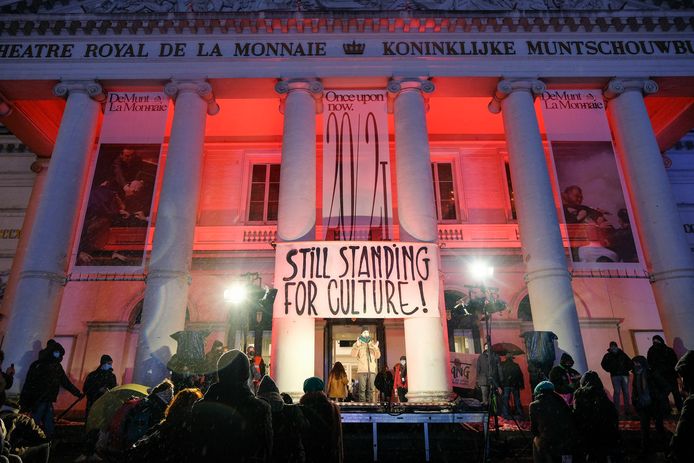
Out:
{"x": 598, "y": 221}
{"x": 118, "y": 208}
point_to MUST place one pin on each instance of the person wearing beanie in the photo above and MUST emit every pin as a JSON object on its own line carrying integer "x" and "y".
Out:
{"x": 230, "y": 422}
{"x": 288, "y": 424}
{"x": 596, "y": 420}
{"x": 662, "y": 359}
{"x": 618, "y": 365}
{"x": 99, "y": 381}
{"x": 565, "y": 379}
{"x": 551, "y": 424}
{"x": 323, "y": 437}
{"x": 682, "y": 443}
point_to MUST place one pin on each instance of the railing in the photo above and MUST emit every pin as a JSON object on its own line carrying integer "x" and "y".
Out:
{"x": 261, "y": 237}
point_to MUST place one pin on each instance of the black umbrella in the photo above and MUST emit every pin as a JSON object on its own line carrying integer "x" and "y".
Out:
{"x": 505, "y": 348}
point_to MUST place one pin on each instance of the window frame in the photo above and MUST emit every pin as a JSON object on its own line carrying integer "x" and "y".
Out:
{"x": 450, "y": 157}
{"x": 251, "y": 159}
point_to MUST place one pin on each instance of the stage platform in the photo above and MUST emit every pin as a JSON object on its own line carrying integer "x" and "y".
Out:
{"x": 410, "y": 413}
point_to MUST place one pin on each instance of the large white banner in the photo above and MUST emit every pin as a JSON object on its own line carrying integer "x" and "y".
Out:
{"x": 117, "y": 208}
{"x": 357, "y": 196}
{"x": 359, "y": 279}
{"x": 596, "y": 214}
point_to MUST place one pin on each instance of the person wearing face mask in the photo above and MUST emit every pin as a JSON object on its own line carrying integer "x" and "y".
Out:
{"x": 400, "y": 374}
{"x": 44, "y": 379}
{"x": 618, "y": 365}
{"x": 257, "y": 368}
{"x": 99, "y": 381}
{"x": 367, "y": 353}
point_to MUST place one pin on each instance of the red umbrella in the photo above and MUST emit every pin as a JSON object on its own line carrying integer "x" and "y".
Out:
{"x": 505, "y": 348}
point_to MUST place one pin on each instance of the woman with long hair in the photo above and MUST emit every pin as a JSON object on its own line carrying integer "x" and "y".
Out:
{"x": 337, "y": 382}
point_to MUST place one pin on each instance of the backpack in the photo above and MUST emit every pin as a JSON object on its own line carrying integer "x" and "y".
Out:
{"x": 113, "y": 440}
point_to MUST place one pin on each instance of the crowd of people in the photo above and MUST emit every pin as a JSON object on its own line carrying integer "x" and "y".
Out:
{"x": 240, "y": 411}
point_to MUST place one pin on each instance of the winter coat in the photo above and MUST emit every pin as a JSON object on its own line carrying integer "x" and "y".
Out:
{"x": 483, "y": 375}
{"x": 400, "y": 376}
{"x": 165, "y": 442}
{"x": 596, "y": 420}
{"x": 230, "y": 422}
{"x": 682, "y": 443}
{"x": 366, "y": 354}
{"x": 552, "y": 424}
{"x": 44, "y": 379}
{"x": 337, "y": 386}
{"x": 323, "y": 438}
{"x": 617, "y": 364}
{"x": 565, "y": 379}
{"x": 6, "y": 382}
{"x": 649, "y": 392}
{"x": 97, "y": 383}
{"x": 22, "y": 432}
{"x": 511, "y": 375}
{"x": 663, "y": 359}
{"x": 288, "y": 425}
{"x": 384, "y": 383}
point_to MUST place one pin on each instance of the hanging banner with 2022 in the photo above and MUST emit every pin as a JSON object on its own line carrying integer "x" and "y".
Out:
{"x": 356, "y": 279}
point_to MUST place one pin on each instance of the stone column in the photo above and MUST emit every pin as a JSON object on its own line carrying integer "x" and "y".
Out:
{"x": 36, "y": 301}
{"x": 668, "y": 258}
{"x": 293, "y": 339}
{"x": 168, "y": 276}
{"x": 427, "y": 367}
{"x": 547, "y": 277}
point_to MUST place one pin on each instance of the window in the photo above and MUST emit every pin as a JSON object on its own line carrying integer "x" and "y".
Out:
{"x": 444, "y": 191}
{"x": 511, "y": 197}
{"x": 265, "y": 193}
{"x": 463, "y": 341}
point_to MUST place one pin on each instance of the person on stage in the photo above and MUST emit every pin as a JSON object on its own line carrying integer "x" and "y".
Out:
{"x": 367, "y": 352}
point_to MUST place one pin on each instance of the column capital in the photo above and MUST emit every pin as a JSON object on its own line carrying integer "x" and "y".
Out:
{"x": 92, "y": 88}
{"x": 314, "y": 87}
{"x": 505, "y": 87}
{"x": 618, "y": 85}
{"x": 399, "y": 85}
{"x": 200, "y": 87}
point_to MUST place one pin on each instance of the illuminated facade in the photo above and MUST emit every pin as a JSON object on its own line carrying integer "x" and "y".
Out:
{"x": 469, "y": 163}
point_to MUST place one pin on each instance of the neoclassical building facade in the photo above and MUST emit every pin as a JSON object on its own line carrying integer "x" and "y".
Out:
{"x": 470, "y": 171}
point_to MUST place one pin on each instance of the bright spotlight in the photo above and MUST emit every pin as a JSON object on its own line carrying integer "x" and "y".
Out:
{"x": 236, "y": 293}
{"x": 481, "y": 270}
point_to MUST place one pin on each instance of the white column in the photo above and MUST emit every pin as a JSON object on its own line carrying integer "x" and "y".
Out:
{"x": 36, "y": 302}
{"x": 547, "y": 277}
{"x": 168, "y": 276}
{"x": 668, "y": 258}
{"x": 40, "y": 167}
{"x": 293, "y": 340}
{"x": 425, "y": 345}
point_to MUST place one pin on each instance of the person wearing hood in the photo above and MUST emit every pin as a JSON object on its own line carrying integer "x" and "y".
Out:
{"x": 565, "y": 378}
{"x": 663, "y": 359}
{"x": 682, "y": 443}
{"x": 596, "y": 419}
{"x": 288, "y": 424}
{"x": 44, "y": 379}
{"x": 649, "y": 397}
{"x": 400, "y": 376}
{"x": 323, "y": 437}
{"x": 99, "y": 381}
{"x": 618, "y": 365}
{"x": 366, "y": 352}
{"x": 211, "y": 359}
{"x": 230, "y": 422}
{"x": 551, "y": 425}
